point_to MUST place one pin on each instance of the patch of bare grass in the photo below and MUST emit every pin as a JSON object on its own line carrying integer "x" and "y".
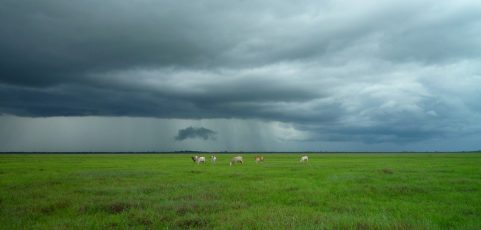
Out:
{"x": 387, "y": 171}
{"x": 192, "y": 223}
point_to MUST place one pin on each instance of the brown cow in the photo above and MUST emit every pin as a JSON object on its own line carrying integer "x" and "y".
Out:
{"x": 259, "y": 159}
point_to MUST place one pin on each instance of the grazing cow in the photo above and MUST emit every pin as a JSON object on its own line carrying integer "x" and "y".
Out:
{"x": 201, "y": 160}
{"x": 213, "y": 158}
{"x": 304, "y": 159}
{"x": 198, "y": 159}
{"x": 259, "y": 159}
{"x": 235, "y": 160}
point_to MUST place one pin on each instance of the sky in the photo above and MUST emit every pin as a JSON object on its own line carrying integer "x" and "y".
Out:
{"x": 122, "y": 75}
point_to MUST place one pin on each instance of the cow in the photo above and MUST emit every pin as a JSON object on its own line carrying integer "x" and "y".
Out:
{"x": 198, "y": 159}
{"x": 235, "y": 160}
{"x": 304, "y": 159}
{"x": 259, "y": 159}
{"x": 213, "y": 158}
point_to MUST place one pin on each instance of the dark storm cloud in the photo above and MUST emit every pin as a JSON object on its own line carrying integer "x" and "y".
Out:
{"x": 370, "y": 71}
{"x": 55, "y": 41}
{"x": 194, "y": 132}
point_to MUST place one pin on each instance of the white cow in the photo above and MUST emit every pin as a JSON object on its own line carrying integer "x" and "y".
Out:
{"x": 235, "y": 160}
{"x": 304, "y": 159}
{"x": 213, "y": 158}
{"x": 198, "y": 159}
{"x": 201, "y": 160}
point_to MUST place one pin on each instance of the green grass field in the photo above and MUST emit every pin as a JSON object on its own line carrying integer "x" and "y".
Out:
{"x": 152, "y": 191}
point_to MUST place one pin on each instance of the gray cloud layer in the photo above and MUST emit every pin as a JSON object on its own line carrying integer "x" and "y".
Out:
{"x": 372, "y": 72}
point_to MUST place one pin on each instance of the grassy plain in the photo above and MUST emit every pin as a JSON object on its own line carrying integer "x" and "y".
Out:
{"x": 158, "y": 191}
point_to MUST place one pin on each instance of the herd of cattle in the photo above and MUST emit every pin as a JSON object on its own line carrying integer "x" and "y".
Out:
{"x": 237, "y": 159}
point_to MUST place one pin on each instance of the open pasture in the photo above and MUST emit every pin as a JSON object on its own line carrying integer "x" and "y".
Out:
{"x": 151, "y": 191}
